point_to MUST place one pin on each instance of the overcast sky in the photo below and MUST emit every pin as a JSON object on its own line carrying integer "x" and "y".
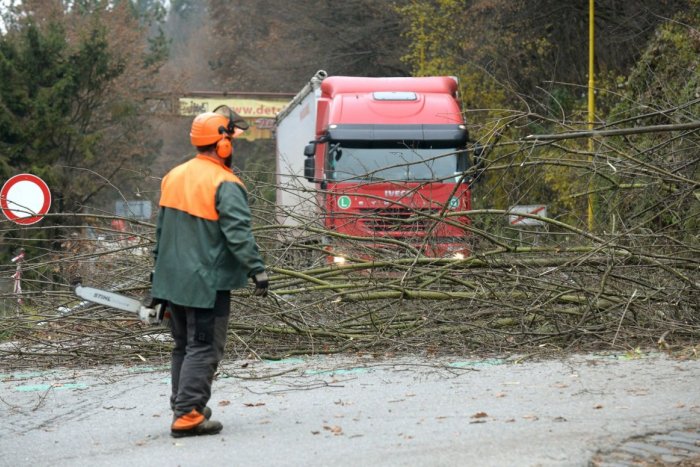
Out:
{"x": 3, "y": 10}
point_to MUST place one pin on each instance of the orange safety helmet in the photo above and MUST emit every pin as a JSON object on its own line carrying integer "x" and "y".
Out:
{"x": 220, "y": 127}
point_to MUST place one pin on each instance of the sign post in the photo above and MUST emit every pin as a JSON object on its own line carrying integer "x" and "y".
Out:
{"x": 24, "y": 199}
{"x": 17, "y": 276}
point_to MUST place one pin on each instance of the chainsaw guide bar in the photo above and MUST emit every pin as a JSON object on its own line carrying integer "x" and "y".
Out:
{"x": 157, "y": 315}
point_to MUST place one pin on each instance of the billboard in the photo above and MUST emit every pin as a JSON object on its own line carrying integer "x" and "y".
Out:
{"x": 259, "y": 111}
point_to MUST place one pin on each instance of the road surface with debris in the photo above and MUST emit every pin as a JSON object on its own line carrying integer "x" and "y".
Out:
{"x": 592, "y": 409}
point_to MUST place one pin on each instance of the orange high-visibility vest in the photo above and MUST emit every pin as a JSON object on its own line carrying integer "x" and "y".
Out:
{"x": 191, "y": 187}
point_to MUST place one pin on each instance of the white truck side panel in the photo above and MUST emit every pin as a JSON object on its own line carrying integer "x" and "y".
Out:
{"x": 295, "y": 127}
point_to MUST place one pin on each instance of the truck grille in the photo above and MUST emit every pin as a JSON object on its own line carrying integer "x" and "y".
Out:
{"x": 397, "y": 220}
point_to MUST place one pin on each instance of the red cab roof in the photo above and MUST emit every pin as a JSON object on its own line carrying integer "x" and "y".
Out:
{"x": 352, "y": 100}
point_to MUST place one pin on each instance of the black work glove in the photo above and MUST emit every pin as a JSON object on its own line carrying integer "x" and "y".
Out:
{"x": 151, "y": 302}
{"x": 261, "y": 284}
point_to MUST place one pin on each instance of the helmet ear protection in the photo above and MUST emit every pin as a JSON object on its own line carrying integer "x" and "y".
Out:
{"x": 224, "y": 148}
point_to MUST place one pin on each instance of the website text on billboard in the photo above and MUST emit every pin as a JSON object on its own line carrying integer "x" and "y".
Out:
{"x": 260, "y": 111}
{"x": 245, "y": 107}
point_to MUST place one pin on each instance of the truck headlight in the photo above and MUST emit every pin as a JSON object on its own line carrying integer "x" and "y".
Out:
{"x": 339, "y": 260}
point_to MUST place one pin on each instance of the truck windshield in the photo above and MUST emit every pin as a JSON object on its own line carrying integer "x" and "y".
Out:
{"x": 394, "y": 161}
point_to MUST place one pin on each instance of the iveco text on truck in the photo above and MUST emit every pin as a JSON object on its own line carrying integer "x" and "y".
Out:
{"x": 380, "y": 161}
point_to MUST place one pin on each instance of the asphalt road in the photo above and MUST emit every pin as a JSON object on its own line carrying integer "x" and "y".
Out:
{"x": 350, "y": 411}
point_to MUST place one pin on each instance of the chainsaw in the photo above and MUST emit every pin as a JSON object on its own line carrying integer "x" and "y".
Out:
{"x": 149, "y": 311}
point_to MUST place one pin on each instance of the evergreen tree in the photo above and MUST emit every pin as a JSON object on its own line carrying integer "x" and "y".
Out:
{"x": 72, "y": 106}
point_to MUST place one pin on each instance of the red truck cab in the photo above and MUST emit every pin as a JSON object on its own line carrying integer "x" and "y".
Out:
{"x": 388, "y": 161}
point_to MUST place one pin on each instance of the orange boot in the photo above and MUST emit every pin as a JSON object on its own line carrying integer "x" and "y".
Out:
{"x": 194, "y": 424}
{"x": 206, "y": 411}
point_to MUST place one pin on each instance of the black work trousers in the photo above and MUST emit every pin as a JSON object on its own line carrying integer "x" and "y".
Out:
{"x": 200, "y": 337}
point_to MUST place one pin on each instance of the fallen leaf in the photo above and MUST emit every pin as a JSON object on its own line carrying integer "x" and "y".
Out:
{"x": 480, "y": 415}
{"x": 598, "y": 406}
{"x": 335, "y": 429}
{"x": 224, "y": 403}
{"x": 315, "y": 432}
{"x": 251, "y": 404}
{"x": 531, "y": 417}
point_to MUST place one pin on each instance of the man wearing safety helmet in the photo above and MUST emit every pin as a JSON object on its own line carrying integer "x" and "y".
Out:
{"x": 204, "y": 248}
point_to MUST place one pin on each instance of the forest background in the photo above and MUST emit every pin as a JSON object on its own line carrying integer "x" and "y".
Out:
{"x": 79, "y": 80}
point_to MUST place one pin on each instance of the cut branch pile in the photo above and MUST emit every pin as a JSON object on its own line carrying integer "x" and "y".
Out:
{"x": 633, "y": 281}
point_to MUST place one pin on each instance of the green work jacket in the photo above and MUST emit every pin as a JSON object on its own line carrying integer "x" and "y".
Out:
{"x": 204, "y": 241}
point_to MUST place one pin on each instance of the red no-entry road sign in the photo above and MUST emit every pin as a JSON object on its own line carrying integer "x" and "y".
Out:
{"x": 25, "y": 198}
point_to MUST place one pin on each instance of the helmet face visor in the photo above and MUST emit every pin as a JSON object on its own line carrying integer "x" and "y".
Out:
{"x": 236, "y": 123}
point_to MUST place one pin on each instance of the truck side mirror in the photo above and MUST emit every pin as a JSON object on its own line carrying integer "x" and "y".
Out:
{"x": 462, "y": 161}
{"x": 310, "y": 149}
{"x": 309, "y": 167}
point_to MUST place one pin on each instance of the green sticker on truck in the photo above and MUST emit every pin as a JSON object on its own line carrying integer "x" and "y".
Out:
{"x": 344, "y": 202}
